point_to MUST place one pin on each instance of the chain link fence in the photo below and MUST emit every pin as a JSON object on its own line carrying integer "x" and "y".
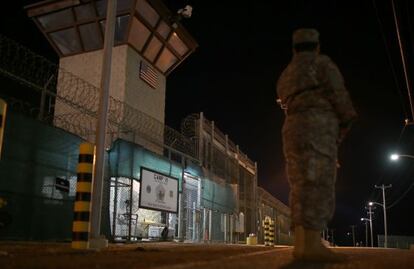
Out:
{"x": 35, "y": 158}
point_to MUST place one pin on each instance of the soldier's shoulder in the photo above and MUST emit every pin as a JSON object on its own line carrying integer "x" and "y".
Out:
{"x": 326, "y": 62}
{"x": 324, "y": 59}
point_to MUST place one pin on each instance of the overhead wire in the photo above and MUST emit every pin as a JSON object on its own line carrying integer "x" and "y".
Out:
{"x": 394, "y": 74}
{"x": 407, "y": 80}
{"x": 374, "y": 192}
{"x": 401, "y": 196}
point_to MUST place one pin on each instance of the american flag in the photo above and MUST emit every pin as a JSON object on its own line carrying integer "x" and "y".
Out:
{"x": 148, "y": 74}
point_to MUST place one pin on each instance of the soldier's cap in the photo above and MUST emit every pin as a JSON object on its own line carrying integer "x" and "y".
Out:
{"x": 303, "y": 35}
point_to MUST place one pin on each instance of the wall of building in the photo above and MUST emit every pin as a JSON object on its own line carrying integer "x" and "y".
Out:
{"x": 88, "y": 66}
{"x": 139, "y": 94}
{"x": 137, "y": 103}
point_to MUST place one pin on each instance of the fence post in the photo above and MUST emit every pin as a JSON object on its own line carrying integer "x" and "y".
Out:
{"x": 81, "y": 216}
{"x": 3, "y": 110}
{"x": 272, "y": 233}
{"x": 266, "y": 231}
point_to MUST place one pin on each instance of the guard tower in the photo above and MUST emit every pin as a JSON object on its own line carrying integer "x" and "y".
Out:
{"x": 149, "y": 45}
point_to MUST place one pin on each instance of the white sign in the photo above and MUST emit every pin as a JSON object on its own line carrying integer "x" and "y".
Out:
{"x": 154, "y": 231}
{"x": 158, "y": 191}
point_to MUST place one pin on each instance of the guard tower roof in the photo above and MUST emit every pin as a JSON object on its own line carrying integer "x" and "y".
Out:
{"x": 77, "y": 26}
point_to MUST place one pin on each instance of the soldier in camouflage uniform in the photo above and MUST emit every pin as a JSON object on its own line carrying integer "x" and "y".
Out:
{"x": 319, "y": 113}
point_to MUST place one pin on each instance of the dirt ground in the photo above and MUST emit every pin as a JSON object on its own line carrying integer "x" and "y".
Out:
{"x": 179, "y": 255}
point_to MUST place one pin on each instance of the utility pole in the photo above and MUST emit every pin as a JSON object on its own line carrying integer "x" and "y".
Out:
{"x": 370, "y": 225}
{"x": 366, "y": 233}
{"x": 383, "y": 187}
{"x": 95, "y": 237}
{"x": 353, "y": 234}
{"x": 366, "y": 230}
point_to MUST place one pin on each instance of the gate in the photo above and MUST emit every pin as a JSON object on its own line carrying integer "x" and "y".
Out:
{"x": 191, "y": 218}
{"x": 123, "y": 208}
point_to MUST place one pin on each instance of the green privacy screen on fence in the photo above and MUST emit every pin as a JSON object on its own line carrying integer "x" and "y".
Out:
{"x": 34, "y": 156}
{"x": 126, "y": 160}
{"x": 219, "y": 197}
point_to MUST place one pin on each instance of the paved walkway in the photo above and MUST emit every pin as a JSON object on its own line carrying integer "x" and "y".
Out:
{"x": 176, "y": 256}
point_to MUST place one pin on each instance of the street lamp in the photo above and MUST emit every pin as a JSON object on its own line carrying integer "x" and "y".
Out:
{"x": 366, "y": 230}
{"x": 396, "y": 157}
{"x": 370, "y": 204}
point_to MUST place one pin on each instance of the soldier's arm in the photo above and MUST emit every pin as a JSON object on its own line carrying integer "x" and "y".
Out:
{"x": 337, "y": 94}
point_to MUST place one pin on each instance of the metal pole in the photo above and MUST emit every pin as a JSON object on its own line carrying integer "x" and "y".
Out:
{"x": 194, "y": 222}
{"x": 102, "y": 121}
{"x": 210, "y": 222}
{"x": 255, "y": 206}
{"x": 114, "y": 216}
{"x": 41, "y": 114}
{"x": 180, "y": 217}
{"x": 384, "y": 207}
{"x": 353, "y": 234}
{"x": 231, "y": 227}
{"x": 366, "y": 233}
{"x": 130, "y": 209}
{"x": 212, "y": 149}
{"x": 200, "y": 138}
{"x": 370, "y": 225}
{"x": 225, "y": 226}
{"x": 385, "y": 217}
{"x": 204, "y": 224}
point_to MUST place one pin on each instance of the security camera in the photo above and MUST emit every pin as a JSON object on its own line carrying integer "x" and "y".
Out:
{"x": 186, "y": 11}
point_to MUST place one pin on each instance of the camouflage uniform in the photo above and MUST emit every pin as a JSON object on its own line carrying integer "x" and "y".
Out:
{"x": 318, "y": 110}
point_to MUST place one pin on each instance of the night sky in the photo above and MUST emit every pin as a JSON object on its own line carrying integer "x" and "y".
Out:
{"x": 231, "y": 77}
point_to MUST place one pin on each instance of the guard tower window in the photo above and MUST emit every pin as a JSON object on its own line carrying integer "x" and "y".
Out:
{"x": 153, "y": 49}
{"x": 163, "y": 29}
{"x": 90, "y": 36}
{"x": 147, "y": 12}
{"x": 166, "y": 60}
{"x": 56, "y": 20}
{"x": 121, "y": 24}
{"x": 178, "y": 44}
{"x": 66, "y": 40}
{"x": 85, "y": 12}
{"x": 139, "y": 34}
{"x": 121, "y": 6}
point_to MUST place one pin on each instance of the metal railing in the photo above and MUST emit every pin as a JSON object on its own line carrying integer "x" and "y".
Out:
{"x": 189, "y": 127}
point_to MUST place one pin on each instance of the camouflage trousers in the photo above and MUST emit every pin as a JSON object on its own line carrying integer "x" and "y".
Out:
{"x": 312, "y": 177}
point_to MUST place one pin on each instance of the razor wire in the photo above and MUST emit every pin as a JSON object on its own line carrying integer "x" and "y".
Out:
{"x": 36, "y": 72}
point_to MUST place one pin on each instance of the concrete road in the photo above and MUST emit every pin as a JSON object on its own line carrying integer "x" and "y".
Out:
{"x": 176, "y": 256}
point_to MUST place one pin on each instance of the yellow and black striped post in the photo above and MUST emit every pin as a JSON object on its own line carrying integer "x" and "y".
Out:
{"x": 80, "y": 229}
{"x": 3, "y": 110}
{"x": 266, "y": 230}
{"x": 271, "y": 233}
